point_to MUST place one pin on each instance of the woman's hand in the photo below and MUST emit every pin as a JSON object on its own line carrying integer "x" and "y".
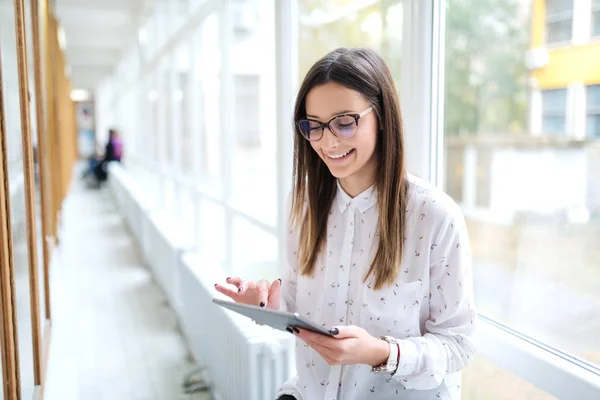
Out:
{"x": 351, "y": 345}
{"x": 259, "y": 293}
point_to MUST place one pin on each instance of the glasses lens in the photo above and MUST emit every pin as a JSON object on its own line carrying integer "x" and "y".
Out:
{"x": 344, "y": 126}
{"x": 311, "y": 130}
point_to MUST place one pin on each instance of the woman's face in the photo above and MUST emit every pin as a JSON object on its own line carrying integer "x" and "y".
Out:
{"x": 353, "y": 161}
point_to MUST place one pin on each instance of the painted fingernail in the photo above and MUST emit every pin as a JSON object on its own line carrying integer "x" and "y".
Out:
{"x": 295, "y": 329}
{"x": 228, "y": 278}
{"x": 215, "y": 284}
{"x": 279, "y": 280}
{"x": 262, "y": 303}
{"x": 335, "y": 331}
{"x": 289, "y": 329}
{"x": 239, "y": 290}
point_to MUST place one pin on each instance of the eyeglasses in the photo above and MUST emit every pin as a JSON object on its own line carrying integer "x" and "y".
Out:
{"x": 343, "y": 126}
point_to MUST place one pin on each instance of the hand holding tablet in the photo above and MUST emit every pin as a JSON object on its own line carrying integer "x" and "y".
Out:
{"x": 274, "y": 318}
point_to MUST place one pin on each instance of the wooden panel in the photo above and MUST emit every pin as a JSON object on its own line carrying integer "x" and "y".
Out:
{"x": 8, "y": 329}
{"x": 28, "y": 175}
{"x": 42, "y": 146}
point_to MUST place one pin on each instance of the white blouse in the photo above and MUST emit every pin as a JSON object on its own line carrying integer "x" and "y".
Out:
{"x": 429, "y": 308}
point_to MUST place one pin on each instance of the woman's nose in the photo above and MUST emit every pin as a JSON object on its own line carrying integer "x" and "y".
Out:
{"x": 329, "y": 140}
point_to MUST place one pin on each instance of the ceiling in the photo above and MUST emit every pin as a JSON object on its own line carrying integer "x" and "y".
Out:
{"x": 97, "y": 33}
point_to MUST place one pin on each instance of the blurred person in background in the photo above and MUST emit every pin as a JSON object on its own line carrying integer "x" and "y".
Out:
{"x": 113, "y": 151}
{"x": 375, "y": 254}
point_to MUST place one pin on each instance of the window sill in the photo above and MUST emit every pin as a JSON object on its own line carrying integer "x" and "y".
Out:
{"x": 557, "y": 373}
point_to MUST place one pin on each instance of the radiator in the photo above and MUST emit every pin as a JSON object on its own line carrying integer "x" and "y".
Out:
{"x": 245, "y": 361}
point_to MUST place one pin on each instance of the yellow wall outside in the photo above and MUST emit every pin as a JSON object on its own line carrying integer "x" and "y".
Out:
{"x": 570, "y": 64}
{"x": 538, "y": 24}
{"x": 566, "y": 64}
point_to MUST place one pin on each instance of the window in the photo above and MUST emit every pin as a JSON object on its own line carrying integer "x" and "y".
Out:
{"x": 325, "y": 26}
{"x": 534, "y": 227}
{"x": 559, "y": 21}
{"x": 486, "y": 380}
{"x": 253, "y": 172}
{"x": 596, "y": 18}
{"x": 593, "y": 111}
{"x": 554, "y": 107}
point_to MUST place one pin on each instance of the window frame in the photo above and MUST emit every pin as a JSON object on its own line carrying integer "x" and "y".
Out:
{"x": 591, "y": 110}
{"x": 547, "y": 368}
{"x": 557, "y": 17}
{"x": 595, "y": 17}
{"x": 555, "y": 112}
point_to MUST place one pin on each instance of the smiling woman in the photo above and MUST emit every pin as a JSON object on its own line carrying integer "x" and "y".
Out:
{"x": 375, "y": 255}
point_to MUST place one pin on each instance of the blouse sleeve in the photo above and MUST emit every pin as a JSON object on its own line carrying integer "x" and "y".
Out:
{"x": 447, "y": 345}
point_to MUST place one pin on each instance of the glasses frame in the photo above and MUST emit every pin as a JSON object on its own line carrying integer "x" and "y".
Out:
{"x": 328, "y": 126}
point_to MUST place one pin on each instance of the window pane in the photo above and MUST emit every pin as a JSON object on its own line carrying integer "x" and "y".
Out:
{"x": 184, "y": 153}
{"x": 325, "y": 26}
{"x": 165, "y": 98}
{"x": 254, "y": 251}
{"x": 254, "y": 171}
{"x": 555, "y": 100}
{"x": 155, "y": 107}
{"x": 553, "y": 126}
{"x": 558, "y": 6}
{"x": 486, "y": 380}
{"x": 211, "y": 223}
{"x": 593, "y": 126}
{"x": 528, "y": 200}
{"x": 593, "y": 96}
{"x": 596, "y": 22}
{"x": 554, "y": 107}
{"x": 560, "y": 31}
{"x": 207, "y": 89}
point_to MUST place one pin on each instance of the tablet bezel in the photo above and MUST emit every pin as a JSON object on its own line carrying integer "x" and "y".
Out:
{"x": 276, "y": 319}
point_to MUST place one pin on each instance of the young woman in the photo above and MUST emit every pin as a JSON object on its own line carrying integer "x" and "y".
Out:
{"x": 378, "y": 256}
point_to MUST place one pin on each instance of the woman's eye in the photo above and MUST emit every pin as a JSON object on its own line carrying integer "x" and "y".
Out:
{"x": 345, "y": 125}
{"x": 314, "y": 128}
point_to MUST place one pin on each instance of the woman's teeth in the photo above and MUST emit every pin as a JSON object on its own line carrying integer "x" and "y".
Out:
{"x": 336, "y": 156}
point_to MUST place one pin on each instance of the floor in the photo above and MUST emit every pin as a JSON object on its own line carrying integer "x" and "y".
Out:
{"x": 113, "y": 335}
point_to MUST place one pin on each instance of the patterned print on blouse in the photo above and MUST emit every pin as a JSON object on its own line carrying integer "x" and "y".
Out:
{"x": 429, "y": 308}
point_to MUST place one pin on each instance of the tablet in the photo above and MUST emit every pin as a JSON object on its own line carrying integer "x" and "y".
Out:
{"x": 274, "y": 318}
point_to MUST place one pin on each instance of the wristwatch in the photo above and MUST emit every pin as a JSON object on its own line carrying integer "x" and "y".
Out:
{"x": 391, "y": 365}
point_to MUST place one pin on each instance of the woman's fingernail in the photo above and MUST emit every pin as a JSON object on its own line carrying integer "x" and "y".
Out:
{"x": 279, "y": 280}
{"x": 262, "y": 303}
{"x": 216, "y": 284}
{"x": 228, "y": 278}
{"x": 239, "y": 290}
{"x": 335, "y": 331}
{"x": 295, "y": 329}
{"x": 289, "y": 329}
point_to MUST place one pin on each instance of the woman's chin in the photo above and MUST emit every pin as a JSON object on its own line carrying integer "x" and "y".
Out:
{"x": 341, "y": 173}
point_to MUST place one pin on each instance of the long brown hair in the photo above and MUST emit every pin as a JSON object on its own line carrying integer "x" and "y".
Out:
{"x": 364, "y": 71}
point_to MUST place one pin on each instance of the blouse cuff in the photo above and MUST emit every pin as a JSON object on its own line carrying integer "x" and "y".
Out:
{"x": 409, "y": 358}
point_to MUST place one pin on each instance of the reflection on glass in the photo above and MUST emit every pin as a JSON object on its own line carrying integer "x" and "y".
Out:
{"x": 253, "y": 189}
{"x": 165, "y": 116}
{"x": 183, "y": 110}
{"x": 486, "y": 380}
{"x": 210, "y": 98}
{"x": 154, "y": 108}
{"x": 325, "y": 26}
{"x": 527, "y": 195}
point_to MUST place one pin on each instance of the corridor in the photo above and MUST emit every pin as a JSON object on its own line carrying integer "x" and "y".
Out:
{"x": 114, "y": 335}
